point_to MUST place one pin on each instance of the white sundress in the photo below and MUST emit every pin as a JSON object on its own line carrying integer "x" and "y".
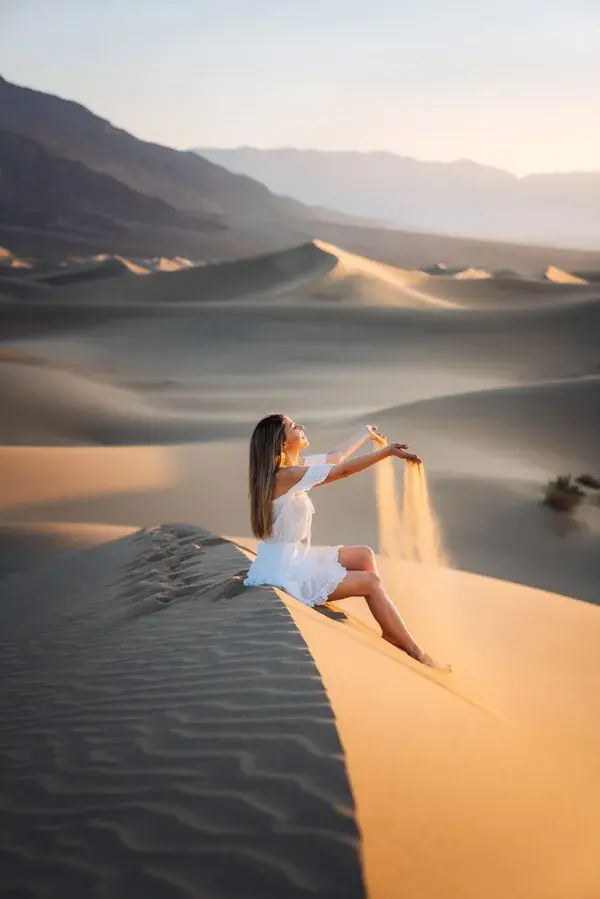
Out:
{"x": 286, "y": 559}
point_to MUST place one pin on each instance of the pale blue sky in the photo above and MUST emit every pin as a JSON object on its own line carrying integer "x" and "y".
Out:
{"x": 513, "y": 84}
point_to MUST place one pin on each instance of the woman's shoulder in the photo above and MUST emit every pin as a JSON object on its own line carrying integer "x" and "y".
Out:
{"x": 286, "y": 478}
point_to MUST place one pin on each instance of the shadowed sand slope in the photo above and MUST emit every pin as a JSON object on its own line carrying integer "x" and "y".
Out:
{"x": 44, "y": 405}
{"x": 549, "y": 422}
{"x": 20, "y": 545}
{"x": 168, "y": 733}
{"x": 95, "y": 269}
{"x": 241, "y": 279}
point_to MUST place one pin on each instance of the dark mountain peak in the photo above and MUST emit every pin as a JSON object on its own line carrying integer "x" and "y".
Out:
{"x": 182, "y": 179}
{"x": 41, "y": 190}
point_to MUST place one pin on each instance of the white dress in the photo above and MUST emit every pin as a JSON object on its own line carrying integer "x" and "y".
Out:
{"x": 286, "y": 558}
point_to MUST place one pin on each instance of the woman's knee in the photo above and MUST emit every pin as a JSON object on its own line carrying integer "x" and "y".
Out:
{"x": 367, "y": 557}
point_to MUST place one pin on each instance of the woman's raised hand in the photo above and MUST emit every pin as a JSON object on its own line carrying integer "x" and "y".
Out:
{"x": 396, "y": 449}
{"x": 374, "y": 435}
{"x": 399, "y": 450}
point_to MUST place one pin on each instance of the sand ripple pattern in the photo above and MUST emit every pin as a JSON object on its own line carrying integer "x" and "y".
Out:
{"x": 165, "y": 732}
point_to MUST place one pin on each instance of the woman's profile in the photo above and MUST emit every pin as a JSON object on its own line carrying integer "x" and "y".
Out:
{"x": 281, "y": 516}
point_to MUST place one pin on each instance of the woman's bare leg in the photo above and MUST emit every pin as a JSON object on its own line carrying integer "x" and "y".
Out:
{"x": 385, "y": 613}
{"x": 358, "y": 558}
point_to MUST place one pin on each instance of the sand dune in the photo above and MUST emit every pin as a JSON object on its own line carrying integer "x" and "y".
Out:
{"x": 326, "y": 272}
{"x": 173, "y": 702}
{"x": 552, "y": 423}
{"x": 494, "y": 712}
{"x": 561, "y": 277}
{"x": 44, "y": 405}
{"x": 23, "y": 289}
{"x": 163, "y": 264}
{"x": 502, "y": 291}
{"x": 381, "y": 284}
{"x": 158, "y": 264}
{"x": 512, "y": 753}
{"x": 21, "y": 544}
{"x": 388, "y": 284}
{"x": 100, "y": 267}
{"x": 82, "y": 270}
{"x": 133, "y": 266}
{"x": 189, "y": 714}
{"x": 41, "y": 404}
{"x": 11, "y": 262}
{"x": 592, "y": 277}
{"x": 162, "y": 711}
{"x": 473, "y": 274}
{"x": 241, "y": 279}
{"x": 329, "y": 273}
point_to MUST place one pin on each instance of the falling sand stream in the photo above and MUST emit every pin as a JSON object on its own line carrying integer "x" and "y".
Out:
{"x": 413, "y": 534}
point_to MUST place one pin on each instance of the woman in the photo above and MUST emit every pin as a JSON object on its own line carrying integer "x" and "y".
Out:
{"x": 281, "y": 514}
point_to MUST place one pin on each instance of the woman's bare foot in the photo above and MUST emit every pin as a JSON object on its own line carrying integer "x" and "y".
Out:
{"x": 419, "y": 655}
{"x": 426, "y": 659}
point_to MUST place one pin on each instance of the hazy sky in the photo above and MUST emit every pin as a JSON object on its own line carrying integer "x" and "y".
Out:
{"x": 513, "y": 84}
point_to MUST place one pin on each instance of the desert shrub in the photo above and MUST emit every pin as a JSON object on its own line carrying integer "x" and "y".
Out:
{"x": 563, "y": 494}
{"x": 588, "y": 480}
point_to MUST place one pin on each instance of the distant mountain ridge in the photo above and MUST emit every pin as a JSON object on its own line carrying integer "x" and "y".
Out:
{"x": 460, "y": 198}
{"x": 71, "y": 184}
{"x": 40, "y": 190}
{"x": 183, "y": 180}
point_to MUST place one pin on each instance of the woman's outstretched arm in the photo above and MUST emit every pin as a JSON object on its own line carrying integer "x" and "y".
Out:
{"x": 288, "y": 476}
{"x": 354, "y": 466}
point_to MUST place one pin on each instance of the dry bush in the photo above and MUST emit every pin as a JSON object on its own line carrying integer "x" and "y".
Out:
{"x": 563, "y": 494}
{"x": 588, "y": 480}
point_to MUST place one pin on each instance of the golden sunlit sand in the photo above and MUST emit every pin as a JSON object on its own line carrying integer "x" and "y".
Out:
{"x": 405, "y": 284}
{"x": 560, "y": 277}
{"x": 485, "y": 780}
{"x": 473, "y": 274}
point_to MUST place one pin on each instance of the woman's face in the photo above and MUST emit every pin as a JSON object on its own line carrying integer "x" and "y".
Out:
{"x": 295, "y": 438}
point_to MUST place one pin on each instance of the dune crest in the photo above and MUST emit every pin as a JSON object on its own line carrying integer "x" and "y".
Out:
{"x": 132, "y": 266}
{"x": 405, "y": 282}
{"x": 473, "y": 274}
{"x": 8, "y": 260}
{"x": 558, "y": 276}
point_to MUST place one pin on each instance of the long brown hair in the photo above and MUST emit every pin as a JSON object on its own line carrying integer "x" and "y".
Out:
{"x": 266, "y": 454}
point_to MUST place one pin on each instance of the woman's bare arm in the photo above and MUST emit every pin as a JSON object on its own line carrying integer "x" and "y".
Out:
{"x": 354, "y": 466}
{"x": 341, "y": 451}
{"x": 288, "y": 477}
